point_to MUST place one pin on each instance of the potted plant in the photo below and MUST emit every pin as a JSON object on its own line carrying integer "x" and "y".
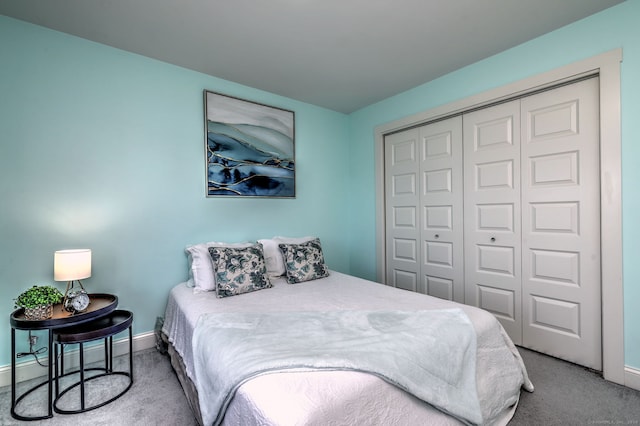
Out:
{"x": 38, "y": 301}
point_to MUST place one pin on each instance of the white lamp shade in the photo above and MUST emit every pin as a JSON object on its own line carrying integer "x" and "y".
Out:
{"x": 70, "y": 265}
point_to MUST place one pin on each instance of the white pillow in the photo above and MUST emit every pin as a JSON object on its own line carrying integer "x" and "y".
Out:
{"x": 273, "y": 256}
{"x": 201, "y": 273}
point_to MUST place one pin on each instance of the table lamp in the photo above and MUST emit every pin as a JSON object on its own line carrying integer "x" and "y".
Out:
{"x": 72, "y": 266}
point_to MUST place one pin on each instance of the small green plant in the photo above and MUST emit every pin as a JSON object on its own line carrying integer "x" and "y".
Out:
{"x": 38, "y": 296}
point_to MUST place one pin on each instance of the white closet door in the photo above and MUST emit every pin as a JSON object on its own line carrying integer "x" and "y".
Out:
{"x": 402, "y": 200}
{"x": 561, "y": 223}
{"x": 442, "y": 273}
{"x": 492, "y": 213}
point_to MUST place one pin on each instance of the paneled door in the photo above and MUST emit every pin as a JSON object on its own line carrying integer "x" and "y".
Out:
{"x": 532, "y": 222}
{"x": 424, "y": 217}
{"x": 492, "y": 213}
{"x": 561, "y": 223}
{"x": 441, "y": 209}
{"x": 402, "y": 200}
{"x": 516, "y": 230}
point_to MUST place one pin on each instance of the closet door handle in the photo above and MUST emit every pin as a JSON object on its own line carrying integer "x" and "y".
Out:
{"x": 493, "y": 239}
{"x": 437, "y": 236}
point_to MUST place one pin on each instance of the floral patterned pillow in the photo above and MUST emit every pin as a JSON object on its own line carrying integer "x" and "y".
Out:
{"x": 239, "y": 270}
{"x": 304, "y": 262}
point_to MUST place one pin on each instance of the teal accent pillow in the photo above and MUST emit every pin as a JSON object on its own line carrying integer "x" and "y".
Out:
{"x": 303, "y": 262}
{"x": 239, "y": 270}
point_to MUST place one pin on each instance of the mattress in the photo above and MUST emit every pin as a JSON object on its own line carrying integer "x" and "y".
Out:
{"x": 338, "y": 397}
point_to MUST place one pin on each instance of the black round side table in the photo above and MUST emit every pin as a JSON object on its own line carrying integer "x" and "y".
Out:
{"x": 102, "y": 328}
{"x": 101, "y": 304}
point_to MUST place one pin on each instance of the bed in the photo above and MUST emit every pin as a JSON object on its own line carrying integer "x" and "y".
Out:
{"x": 477, "y": 375}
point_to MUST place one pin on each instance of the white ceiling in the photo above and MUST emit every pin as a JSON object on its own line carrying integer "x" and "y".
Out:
{"x": 339, "y": 54}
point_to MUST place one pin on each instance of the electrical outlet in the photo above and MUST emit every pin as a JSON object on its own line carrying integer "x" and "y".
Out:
{"x": 33, "y": 340}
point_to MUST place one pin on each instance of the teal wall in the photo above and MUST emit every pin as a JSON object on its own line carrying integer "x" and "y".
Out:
{"x": 104, "y": 149}
{"x": 613, "y": 28}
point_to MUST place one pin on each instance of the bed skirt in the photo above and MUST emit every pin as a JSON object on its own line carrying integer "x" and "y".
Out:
{"x": 188, "y": 386}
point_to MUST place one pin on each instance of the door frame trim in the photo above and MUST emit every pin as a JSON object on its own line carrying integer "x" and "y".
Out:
{"x": 607, "y": 66}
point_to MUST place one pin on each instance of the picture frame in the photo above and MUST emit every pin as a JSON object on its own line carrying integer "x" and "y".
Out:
{"x": 249, "y": 148}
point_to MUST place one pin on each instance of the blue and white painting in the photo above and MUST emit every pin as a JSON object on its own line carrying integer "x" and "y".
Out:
{"x": 249, "y": 148}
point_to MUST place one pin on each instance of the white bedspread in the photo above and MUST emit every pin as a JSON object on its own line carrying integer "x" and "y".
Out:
{"x": 344, "y": 397}
{"x": 430, "y": 354}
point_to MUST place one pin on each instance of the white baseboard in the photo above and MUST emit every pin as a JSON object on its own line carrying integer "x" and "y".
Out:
{"x": 632, "y": 378}
{"x": 31, "y": 369}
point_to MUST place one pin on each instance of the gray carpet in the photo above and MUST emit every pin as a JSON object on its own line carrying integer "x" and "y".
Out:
{"x": 155, "y": 398}
{"x": 565, "y": 394}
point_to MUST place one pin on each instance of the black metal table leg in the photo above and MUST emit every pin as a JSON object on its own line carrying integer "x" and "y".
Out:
{"x": 49, "y": 382}
{"x": 50, "y": 385}
{"x": 13, "y": 371}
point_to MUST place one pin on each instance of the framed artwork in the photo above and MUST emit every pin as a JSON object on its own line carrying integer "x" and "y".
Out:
{"x": 250, "y": 148}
